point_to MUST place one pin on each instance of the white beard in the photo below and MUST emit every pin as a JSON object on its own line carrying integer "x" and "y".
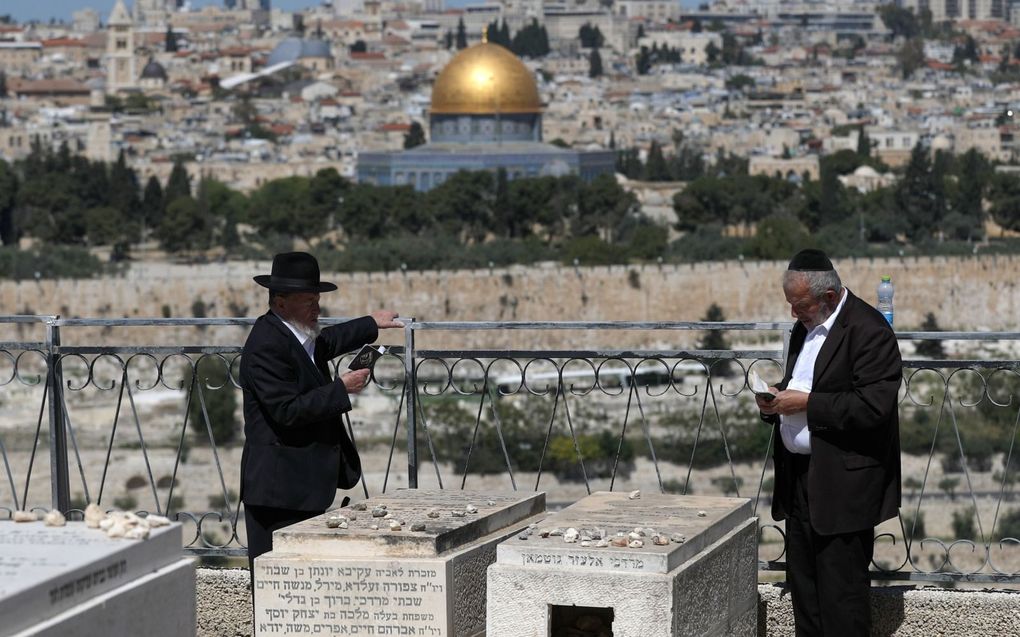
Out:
{"x": 310, "y": 331}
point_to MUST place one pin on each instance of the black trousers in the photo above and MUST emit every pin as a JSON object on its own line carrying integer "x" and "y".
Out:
{"x": 260, "y": 522}
{"x": 827, "y": 574}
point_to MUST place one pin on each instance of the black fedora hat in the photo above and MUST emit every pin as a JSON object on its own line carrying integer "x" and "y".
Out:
{"x": 294, "y": 272}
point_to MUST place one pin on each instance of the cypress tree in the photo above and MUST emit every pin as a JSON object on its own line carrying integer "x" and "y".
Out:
{"x": 594, "y": 63}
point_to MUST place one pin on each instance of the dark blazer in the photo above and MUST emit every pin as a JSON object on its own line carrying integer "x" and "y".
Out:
{"x": 296, "y": 450}
{"x": 854, "y": 475}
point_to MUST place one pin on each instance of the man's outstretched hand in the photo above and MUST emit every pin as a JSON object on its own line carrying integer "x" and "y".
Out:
{"x": 385, "y": 319}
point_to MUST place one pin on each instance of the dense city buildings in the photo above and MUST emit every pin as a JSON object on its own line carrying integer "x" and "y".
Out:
{"x": 246, "y": 92}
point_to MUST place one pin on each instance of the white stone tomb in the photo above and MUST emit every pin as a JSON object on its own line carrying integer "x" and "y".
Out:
{"x": 73, "y": 581}
{"x": 364, "y": 581}
{"x": 702, "y": 581}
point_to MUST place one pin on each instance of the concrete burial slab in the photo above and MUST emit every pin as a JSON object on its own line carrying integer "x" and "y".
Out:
{"x": 50, "y": 571}
{"x": 616, "y": 513}
{"x": 453, "y": 527}
{"x": 699, "y": 581}
{"x": 361, "y": 580}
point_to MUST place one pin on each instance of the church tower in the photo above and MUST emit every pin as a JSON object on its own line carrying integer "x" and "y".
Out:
{"x": 120, "y": 50}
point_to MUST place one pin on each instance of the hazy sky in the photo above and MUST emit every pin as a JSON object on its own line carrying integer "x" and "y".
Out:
{"x": 62, "y": 9}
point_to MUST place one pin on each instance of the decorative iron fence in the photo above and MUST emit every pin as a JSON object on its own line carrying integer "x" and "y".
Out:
{"x": 156, "y": 428}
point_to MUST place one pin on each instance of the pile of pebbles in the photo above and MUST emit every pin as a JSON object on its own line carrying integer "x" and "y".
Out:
{"x": 599, "y": 538}
{"x": 116, "y": 524}
{"x": 382, "y": 517}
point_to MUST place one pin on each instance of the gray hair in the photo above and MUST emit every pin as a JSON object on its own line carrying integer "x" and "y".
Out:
{"x": 818, "y": 282}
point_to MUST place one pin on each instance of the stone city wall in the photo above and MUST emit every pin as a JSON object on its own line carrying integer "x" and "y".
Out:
{"x": 966, "y": 293}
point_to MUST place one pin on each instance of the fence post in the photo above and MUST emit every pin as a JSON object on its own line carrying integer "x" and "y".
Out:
{"x": 59, "y": 475}
{"x": 411, "y": 400}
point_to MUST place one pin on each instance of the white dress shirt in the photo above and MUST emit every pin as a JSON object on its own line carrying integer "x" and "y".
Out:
{"x": 793, "y": 428}
{"x": 307, "y": 342}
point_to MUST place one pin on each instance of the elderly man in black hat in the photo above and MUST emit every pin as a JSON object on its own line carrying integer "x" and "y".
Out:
{"x": 837, "y": 450}
{"x": 296, "y": 450}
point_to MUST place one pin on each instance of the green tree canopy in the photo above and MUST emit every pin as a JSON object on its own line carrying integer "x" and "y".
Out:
{"x": 902, "y": 22}
{"x": 415, "y": 136}
{"x": 591, "y": 37}
{"x": 284, "y": 207}
{"x": 461, "y": 37}
{"x": 594, "y": 63}
{"x": 462, "y": 205}
{"x": 8, "y": 201}
{"x": 184, "y": 226}
{"x": 1004, "y": 194}
{"x": 178, "y": 184}
{"x": 777, "y": 237}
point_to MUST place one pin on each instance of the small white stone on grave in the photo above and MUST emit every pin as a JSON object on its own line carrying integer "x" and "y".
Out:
{"x": 54, "y": 518}
{"x": 93, "y": 515}
{"x": 156, "y": 521}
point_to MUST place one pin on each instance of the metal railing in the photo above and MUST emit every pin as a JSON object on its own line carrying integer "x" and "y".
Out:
{"x": 163, "y": 422}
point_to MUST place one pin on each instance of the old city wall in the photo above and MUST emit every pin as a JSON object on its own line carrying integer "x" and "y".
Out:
{"x": 967, "y": 293}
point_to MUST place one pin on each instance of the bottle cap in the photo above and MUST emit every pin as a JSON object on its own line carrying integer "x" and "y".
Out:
{"x": 886, "y": 278}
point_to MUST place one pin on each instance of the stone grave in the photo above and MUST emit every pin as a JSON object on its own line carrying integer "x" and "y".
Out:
{"x": 684, "y": 565}
{"x": 427, "y": 577}
{"x": 73, "y": 581}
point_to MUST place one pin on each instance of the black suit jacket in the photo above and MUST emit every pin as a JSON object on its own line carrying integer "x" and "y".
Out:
{"x": 854, "y": 476}
{"x": 296, "y": 450}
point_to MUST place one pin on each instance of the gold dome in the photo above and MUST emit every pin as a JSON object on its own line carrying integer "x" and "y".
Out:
{"x": 485, "y": 79}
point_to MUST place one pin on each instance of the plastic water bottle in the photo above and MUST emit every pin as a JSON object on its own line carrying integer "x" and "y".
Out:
{"x": 885, "y": 294}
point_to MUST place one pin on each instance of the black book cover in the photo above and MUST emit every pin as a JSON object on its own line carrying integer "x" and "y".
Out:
{"x": 366, "y": 357}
